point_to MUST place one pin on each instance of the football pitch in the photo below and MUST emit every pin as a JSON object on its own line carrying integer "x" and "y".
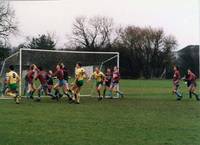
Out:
{"x": 148, "y": 115}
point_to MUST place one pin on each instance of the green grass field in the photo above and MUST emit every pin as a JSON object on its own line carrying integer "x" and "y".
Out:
{"x": 148, "y": 115}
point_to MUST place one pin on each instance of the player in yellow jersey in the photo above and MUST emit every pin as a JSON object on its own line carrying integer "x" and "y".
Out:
{"x": 80, "y": 75}
{"x": 12, "y": 81}
{"x": 99, "y": 77}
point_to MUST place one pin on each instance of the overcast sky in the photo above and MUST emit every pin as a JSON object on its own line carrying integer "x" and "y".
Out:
{"x": 177, "y": 17}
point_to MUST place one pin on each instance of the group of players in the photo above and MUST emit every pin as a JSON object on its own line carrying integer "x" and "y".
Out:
{"x": 108, "y": 81}
{"x": 190, "y": 79}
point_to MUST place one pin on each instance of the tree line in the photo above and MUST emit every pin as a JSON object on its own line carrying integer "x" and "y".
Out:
{"x": 145, "y": 52}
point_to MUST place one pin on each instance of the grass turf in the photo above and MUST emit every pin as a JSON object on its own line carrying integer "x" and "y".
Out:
{"x": 148, "y": 115}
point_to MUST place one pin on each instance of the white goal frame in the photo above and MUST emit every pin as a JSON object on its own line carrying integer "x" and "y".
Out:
{"x": 116, "y": 55}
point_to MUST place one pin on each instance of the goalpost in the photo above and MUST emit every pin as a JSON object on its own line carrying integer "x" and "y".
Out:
{"x": 48, "y": 59}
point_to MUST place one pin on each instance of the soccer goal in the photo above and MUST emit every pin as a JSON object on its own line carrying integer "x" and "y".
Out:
{"x": 48, "y": 59}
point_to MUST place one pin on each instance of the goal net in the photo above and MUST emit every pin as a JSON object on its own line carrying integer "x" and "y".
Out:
{"x": 48, "y": 59}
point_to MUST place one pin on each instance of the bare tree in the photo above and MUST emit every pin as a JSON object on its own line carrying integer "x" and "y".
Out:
{"x": 148, "y": 50}
{"x": 92, "y": 33}
{"x": 7, "y": 22}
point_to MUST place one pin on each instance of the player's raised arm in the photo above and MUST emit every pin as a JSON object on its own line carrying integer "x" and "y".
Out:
{"x": 36, "y": 68}
{"x": 103, "y": 76}
{"x": 37, "y": 74}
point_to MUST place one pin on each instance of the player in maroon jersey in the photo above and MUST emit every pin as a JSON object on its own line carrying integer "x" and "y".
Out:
{"x": 176, "y": 80}
{"x": 107, "y": 81}
{"x": 61, "y": 82}
{"x": 42, "y": 76}
{"x": 114, "y": 87}
{"x": 66, "y": 78}
{"x": 50, "y": 81}
{"x": 30, "y": 78}
{"x": 192, "y": 87}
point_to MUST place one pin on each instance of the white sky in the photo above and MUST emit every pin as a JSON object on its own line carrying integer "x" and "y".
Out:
{"x": 177, "y": 17}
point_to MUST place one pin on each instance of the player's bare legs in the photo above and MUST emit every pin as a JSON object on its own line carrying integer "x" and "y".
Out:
{"x": 13, "y": 94}
{"x": 77, "y": 95}
{"x": 193, "y": 84}
{"x": 104, "y": 90}
{"x": 67, "y": 91}
{"x": 31, "y": 90}
{"x": 12, "y": 80}
{"x": 98, "y": 89}
{"x": 57, "y": 93}
{"x": 192, "y": 90}
{"x": 74, "y": 90}
{"x": 114, "y": 90}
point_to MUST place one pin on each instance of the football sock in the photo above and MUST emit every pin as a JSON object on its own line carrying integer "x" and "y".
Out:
{"x": 67, "y": 94}
{"x": 197, "y": 97}
{"x": 190, "y": 94}
{"x": 120, "y": 93}
{"x": 39, "y": 94}
{"x": 78, "y": 98}
{"x": 178, "y": 94}
{"x": 51, "y": 95}
{"x": 99, "y": 94}
{"x": 17, "y": 93}
{"x": 56, "y": 92}
{"x": 31, "y": 95}
{"x": 104, "y": 92}
{"x": 110, "y": 93}
{"x": 70, "y": 91}
{"x": 24, "y": 92}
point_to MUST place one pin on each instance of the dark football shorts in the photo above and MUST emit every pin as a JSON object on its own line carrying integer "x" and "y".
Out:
{"x": 107, "y": 84}
{"x": 193, "y": 84}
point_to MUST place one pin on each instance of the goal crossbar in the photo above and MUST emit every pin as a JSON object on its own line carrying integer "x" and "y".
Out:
{"x": 69, "y": 51}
